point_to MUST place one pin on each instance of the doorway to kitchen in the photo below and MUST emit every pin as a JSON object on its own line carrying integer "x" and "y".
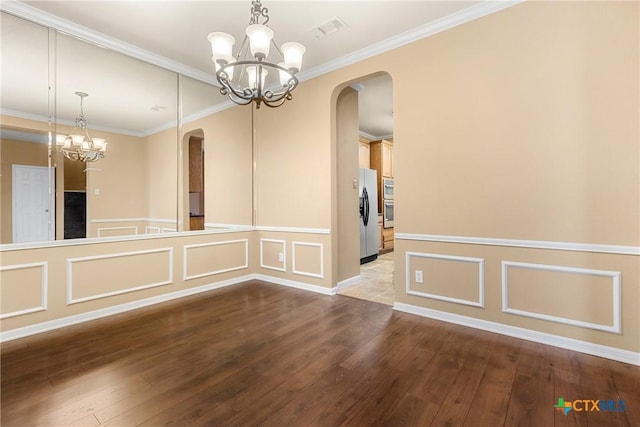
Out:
{"x": 375, "y": 183}
{"x": 194, "y": 180}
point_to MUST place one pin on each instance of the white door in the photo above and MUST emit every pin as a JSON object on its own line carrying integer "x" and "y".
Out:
{"x": 32, "y": 206}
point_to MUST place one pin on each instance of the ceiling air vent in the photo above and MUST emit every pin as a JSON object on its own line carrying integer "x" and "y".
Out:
{"x": 331, "y": 26}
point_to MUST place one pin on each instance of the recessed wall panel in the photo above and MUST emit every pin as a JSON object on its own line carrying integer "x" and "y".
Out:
{"x": 24, "y": 289}
{"x": 117, "y": 231}
{"x": 308, "y": 259}
{"x": 214, "y": 258}
{"x": 446, "y": 278}
{"x": 273, "y": 254}
{"x": 101, "y": 276}
{"x": 563, "y": 294}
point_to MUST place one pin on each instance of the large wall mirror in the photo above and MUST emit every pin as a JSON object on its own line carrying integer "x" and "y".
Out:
{"x": 150, "y": 180}
{"x": 25, "y": 174}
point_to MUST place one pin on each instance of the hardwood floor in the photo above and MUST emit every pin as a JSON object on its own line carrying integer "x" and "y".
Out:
{"x": 262, "y": 354}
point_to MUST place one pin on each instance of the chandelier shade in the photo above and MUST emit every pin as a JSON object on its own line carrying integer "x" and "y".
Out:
{"x": 249, "y": 76}
{"x": 78, "y": 145}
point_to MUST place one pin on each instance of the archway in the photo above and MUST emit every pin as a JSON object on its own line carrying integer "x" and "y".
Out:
{"x": 363, "y": 145}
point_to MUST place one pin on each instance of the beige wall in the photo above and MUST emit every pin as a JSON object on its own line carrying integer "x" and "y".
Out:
{"x": 15, "y": 153}
{"x": 227, "y": 165}
{"x": 121, "y": 179}
{"x": 347, "y": 239}
{"x": 521, "y": 125}
{"x": 162, "y": 176}
{"x": 85, "y": 278}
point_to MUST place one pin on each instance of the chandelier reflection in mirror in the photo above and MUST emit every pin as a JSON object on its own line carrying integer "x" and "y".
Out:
{"x": 245, "y": 77}
{"x": 78, "y": 145}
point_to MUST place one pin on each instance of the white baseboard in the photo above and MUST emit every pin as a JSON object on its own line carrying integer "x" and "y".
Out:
{"x": 612, "y": 353}
{"x": 620, "y": 355}
{"x": 116, "y": 309}
{"x": 295, "y": 284}
{"x": 349, "y": 281}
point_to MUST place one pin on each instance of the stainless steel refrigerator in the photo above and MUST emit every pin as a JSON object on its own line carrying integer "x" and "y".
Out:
{"x": 369, "y": 238}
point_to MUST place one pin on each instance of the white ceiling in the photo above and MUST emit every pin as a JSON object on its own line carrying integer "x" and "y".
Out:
{"x": 177, "y": 30}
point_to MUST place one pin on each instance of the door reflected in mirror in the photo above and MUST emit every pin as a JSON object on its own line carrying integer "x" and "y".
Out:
{"x": 26, "y": 209}
{"x": 141, "y": 186}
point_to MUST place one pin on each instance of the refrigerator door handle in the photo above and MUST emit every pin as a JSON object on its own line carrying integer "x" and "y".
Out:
{"x": 365, "y": 218}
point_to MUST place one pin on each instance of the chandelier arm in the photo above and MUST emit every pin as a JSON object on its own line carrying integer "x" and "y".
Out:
{"x": 229, "y": 90}
{"x": 244, "y": 48}
{"x": 278, "y": 103}
{"x": 273, "y": 42}
{"x": 262, "y": 87}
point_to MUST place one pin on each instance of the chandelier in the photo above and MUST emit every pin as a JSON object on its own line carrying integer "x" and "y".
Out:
{"x": 78, "y": 145}
{"x": 244, "y": 78}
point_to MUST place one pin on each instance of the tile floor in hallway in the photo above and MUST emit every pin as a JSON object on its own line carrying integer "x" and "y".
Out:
{"x": 376, "y": 283}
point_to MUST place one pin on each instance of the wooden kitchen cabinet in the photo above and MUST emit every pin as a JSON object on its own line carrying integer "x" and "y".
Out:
{"x": 387, "y": 238}
{"x": 196, "y": 223}
{"x": 380, "y": 234}
{"x": 196, "y": 165}
{"x": 381, "y": 155}
{"x": 364, "y": 154}
{"x": 387, "y": 159}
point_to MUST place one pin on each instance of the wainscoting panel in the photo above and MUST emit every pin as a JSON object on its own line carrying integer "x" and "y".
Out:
{"x": 149, "y": 229}
{"x": 117, "y": 231}
{"x": 27, "y": 286}
{"x": 207, "y": 259}
{"x": 273, "y": 254}
{"x": 308, "y": 259}
{"x": 574, "y": 296}
{"x": 446, "y": 278}
{"x": 100, "y": 276}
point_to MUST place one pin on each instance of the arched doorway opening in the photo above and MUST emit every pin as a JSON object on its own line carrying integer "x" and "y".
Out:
{"x": 193, "y": 180}
{"x": 364, "y": 187}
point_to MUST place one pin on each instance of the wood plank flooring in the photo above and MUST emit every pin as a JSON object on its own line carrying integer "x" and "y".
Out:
{"x": 262, "y": 354}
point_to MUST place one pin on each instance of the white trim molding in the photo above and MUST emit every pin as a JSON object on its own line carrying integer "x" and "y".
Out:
{"x": 44, "y": 286}
{"x": 185, "y": 258}
{"x": 295, "y": 284}
{"x": 43, "y": 18}
{"x": 228, "y": 226}
{"x": 572, "y": 344}
{"x": 151, "y": 230}
{"x": 347, "y": 282}
{"x": 95, "y": 240}
{"x": 615, "y": 276}
{"x": 71, "y": 261}
{"x": 479, "y": 261}
{"x": 134, "y": 227}
{"x": 116, "y": 309}
{"x": 307, "y": 273}
{"x": 533, "y": 244}
{"x": 108, "y": 220}
{"x": 284, "y": 255}
{"x": 453, "y": 20}
{"x": 293, "y": 229}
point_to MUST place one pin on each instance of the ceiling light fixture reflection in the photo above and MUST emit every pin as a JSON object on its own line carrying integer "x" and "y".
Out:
{"x": 78, "y": 145}
{"x": 249, "y": 76}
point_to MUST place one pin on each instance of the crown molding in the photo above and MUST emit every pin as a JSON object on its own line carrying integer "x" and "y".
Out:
{"x": 33, "y": 14}
{"x": 38, "y": 16}
{"x": 374, "y": 137}
{"x": 45, "y": 119}
{"x": 487, "y": 7}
